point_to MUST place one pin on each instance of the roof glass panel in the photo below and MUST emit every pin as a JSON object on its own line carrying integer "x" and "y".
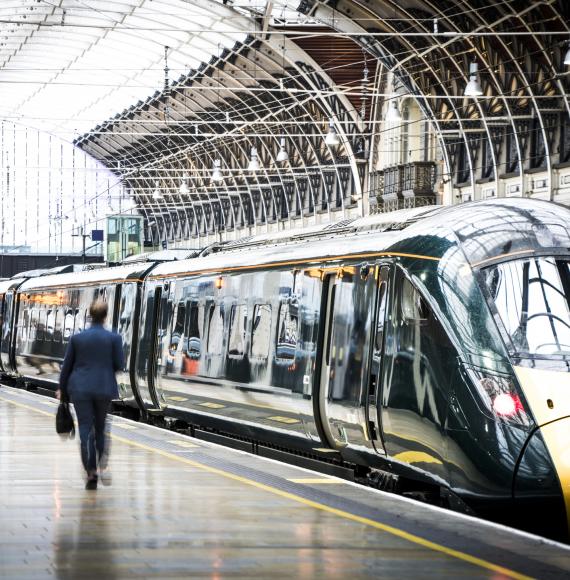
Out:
{"x": 77, "y": 63}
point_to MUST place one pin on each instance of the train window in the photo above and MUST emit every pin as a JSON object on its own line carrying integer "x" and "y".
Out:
{"x": 57, "y": 324}
{"x": 381, "y": 317}
{"x": 33, "y": 324}
{"x": 79, "y": 320}
{"x": 288, "y": 330}
{"x": 215, "y": 329}
{"x": 194, "y": 346}
{"x": 413, "y": 306}
{"x": 68, "y": 325}
{"x": 41, "y": 324}
{"x": 261, "y": 331}
{"x": 50, "y": 315}
{"x": 238, "y": 324}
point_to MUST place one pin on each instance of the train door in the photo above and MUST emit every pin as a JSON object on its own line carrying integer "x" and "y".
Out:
{"x": 160, "y": 348}
{"x": 2, "y": 305}
{"x": 417, "y": 365}
{"x": 7, "y": 334}
{"x": 373, "y": 415}
{"x": 349, "y": 304}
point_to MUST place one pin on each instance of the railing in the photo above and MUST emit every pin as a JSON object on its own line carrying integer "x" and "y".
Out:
{"x": 403, "y": 181}
{"x": 388, "y": 205}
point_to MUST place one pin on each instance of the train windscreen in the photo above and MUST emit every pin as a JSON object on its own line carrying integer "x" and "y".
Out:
{"x": 532, "y": 300}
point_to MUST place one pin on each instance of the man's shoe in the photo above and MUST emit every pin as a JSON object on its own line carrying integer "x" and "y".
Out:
{"x": 105, "y": 477}
{"x": 91, "y": 483}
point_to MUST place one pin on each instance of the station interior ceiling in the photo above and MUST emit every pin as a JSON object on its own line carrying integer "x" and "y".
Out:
{"x": 223, "y": 118}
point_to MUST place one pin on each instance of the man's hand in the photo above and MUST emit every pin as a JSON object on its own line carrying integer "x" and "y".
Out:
{"x": 58, "y": 394}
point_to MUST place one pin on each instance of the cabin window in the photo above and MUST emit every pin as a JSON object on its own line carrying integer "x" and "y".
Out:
{"x": 261, "y": 331}
{"x": 288, "y": 330}
{"x": 215, "y": 329}
{"x": 238, "y": 323}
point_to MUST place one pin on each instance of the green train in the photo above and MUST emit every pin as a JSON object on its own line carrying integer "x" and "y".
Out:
{"x": 428, "y": 349}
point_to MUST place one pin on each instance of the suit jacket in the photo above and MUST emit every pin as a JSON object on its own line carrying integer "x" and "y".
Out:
{"x": 91, "y": 360}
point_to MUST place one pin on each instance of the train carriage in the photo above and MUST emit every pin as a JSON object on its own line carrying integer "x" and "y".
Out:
{"x": 431, "y": 346}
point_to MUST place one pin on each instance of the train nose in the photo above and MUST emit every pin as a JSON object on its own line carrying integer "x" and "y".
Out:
{"x": 542, "y": 481}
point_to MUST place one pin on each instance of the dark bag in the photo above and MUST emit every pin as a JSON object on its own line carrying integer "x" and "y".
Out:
{"x": 64, "y": 424}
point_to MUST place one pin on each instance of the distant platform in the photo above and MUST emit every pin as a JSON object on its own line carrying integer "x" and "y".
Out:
{"x": 185, "y": 508}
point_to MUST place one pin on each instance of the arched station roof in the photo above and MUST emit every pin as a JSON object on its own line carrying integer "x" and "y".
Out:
{"x": 245, "y": 74}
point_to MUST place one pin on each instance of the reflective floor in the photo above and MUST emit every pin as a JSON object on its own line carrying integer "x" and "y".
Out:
{"x": 180, "y": 508}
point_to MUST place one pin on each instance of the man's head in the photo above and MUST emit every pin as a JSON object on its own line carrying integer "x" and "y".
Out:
{"x": 98, "y": 311}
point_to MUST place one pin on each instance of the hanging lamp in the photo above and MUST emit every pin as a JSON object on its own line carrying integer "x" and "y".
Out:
{"x": 217, "y": 174}
{"x": 254, "y": 161}
{"x": 282, "y": 155}
{"x": 332, "y": 138}
{"x": 393, "y": 112}
{"x": 473, "y": 88}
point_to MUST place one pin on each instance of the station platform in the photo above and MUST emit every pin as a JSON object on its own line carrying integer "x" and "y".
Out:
{"x": 185, "y": 508}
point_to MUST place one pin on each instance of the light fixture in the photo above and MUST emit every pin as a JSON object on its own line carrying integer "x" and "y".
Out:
{"x": 567, "y": 57}
{"x": 473, "y": 88}
{"x": 217, "y": 174}
{"x": 156, "y": 193}
{"x": 282, "y": 155}
{"x": 393, "y": 112}
{"x": 183, "y": 188}
{"x": 331, "y": 138}
{"x": 254, "y": 161}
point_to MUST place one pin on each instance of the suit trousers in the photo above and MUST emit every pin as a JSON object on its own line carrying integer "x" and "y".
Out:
{"x": 91, "y": 415}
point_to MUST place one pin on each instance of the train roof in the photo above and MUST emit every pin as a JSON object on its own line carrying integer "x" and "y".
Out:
{"x": 116, "y": 273}
{"x": 485, "y": 230}
{"x": 6, "y": 284}
{"x": 500, "y": 229}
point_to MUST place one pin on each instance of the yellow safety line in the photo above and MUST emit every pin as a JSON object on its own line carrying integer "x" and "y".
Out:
{"x": 322, "y": 507}
{"x": 318, "y": 480}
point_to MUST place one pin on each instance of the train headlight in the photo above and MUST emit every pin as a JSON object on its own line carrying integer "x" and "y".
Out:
{"x": 498, "y": 395}
{"x": 507, "y": 404}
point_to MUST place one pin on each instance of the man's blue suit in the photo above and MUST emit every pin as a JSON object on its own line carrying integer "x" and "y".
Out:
{"x": 88, "y": 378}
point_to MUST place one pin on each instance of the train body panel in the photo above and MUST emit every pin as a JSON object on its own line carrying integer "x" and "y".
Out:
{"x": 398, "y": 349}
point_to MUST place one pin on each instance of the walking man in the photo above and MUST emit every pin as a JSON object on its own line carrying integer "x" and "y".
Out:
{"x": 88, "y": 378}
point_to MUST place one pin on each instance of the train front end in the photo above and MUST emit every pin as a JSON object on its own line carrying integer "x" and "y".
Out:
{"x": 530, "y": 299}
{"x": 502, "y": 289}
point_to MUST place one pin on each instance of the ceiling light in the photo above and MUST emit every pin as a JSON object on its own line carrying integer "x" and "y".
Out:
{"x": 183, "y": 188}
{"x": 282, "y": 155}
{"x": 217, "y": 174}
{"x": 393, "y": 113}
{"x": 156, "y": 193}
{"x": 473, "y": 88}
{"x": 332, "y": 138}
{"x": 254, "y": 161}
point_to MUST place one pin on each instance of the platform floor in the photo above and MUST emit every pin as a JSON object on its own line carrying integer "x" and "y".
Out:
{"x": 183, "y": 508}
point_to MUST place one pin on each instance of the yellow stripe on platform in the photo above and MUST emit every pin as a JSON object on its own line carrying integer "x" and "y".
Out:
{"x": 318, "y": 480}
{"x": 212, "y": 405}
{"x": 287, "y": 420}
{"x": 185, "y": 444}
{"x": 319, "y": 506}
{"x": 125, "y": 426}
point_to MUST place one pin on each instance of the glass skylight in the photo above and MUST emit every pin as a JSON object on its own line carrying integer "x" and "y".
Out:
{"x": 67, "y": 66}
